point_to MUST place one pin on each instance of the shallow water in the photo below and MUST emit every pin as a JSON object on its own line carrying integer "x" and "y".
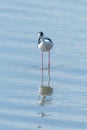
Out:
{"x": 62, "y": 102}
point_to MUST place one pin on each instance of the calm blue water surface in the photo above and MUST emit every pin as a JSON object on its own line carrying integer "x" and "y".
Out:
{"x": 61, "y": 103}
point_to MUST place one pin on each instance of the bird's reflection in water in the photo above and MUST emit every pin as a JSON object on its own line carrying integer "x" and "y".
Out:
{"x": 45, "y": 97}
{"x": 45, "y": 91}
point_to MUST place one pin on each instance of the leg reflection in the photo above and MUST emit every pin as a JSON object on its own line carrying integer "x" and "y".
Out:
{"x": 45, "y": 91}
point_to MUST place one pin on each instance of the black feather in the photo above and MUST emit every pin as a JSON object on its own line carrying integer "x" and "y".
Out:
{"x": 48, "y": 39}
{"x": 39, "y": 40}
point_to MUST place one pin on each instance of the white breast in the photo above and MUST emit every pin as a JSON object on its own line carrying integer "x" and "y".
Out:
{"x": 45, "y": 45}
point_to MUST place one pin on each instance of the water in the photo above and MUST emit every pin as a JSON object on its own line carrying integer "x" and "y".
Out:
{"x": 62, "y": 102}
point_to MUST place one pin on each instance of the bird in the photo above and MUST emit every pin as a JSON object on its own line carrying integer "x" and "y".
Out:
{"x": 45, "y": 44}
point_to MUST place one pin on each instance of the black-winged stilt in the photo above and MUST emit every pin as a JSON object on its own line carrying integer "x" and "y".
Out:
{"x": 45, "y": 44}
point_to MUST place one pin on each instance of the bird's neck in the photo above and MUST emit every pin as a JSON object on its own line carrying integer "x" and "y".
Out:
{"x": 42, "y": 38}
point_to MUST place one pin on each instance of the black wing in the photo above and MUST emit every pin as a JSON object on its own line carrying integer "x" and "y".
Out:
{"x": 48, "y": 39}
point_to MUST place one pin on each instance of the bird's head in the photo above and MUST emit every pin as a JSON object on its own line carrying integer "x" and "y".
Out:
{"x": 40, "y": 34}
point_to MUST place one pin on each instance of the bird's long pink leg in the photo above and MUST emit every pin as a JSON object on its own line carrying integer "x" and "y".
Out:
{"x": 49, "y": 67}
{"x": 42, "y": 68}
{"x": 42, "y": 61}
{"x": 49, "y": 61}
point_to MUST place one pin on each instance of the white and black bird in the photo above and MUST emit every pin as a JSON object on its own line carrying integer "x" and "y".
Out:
{"x": 45, "y": 44}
